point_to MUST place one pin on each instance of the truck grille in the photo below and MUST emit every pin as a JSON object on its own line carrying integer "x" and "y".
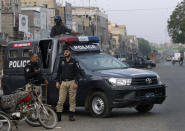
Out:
{"x": 156, "y": 91}
{"x": 144, "y": 81}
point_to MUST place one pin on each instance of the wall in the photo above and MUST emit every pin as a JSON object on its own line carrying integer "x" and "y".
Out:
{"x": 0, "y": 14}
{"x": 45, "y": 21}
{"x": 41, "y": 3}
{"x": 34, "y": 23}
{"x": 94, "y": 22}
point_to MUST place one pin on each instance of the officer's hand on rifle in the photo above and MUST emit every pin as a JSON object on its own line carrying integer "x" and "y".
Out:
{"x": 57, "y": 84}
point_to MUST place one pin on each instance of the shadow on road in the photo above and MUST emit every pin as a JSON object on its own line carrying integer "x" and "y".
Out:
{"x": 119, "y": 113}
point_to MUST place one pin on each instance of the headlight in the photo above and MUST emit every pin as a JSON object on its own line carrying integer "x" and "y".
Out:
{"x": 158, "y": 79}
{"x": 120, "y": 81}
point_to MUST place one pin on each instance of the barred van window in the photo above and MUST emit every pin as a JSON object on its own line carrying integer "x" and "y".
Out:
{"x": 26, "y": 52}
{"x": 13, "y": 53}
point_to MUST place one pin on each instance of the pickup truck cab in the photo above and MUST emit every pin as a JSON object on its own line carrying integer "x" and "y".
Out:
{"x": 140, "y": 62}
{"x": 104, "y": 82}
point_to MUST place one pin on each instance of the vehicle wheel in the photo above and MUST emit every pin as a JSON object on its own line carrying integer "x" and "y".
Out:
{"x": 180, "y": 63}
{"x": 149, "y": 66}
{"x": 99, "y": 105}
{"x": 5, "y": 123}
{"x": 32, "y": 121}
{"x": 144, "y": 108}
{"x": 48, "y": 118}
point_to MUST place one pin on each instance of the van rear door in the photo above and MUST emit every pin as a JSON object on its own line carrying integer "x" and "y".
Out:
{"x": 16, "y": 58}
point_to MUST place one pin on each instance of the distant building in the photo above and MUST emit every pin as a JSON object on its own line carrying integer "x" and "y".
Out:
{"x": 41, "y": 3}
{"x": 0, "y": 14}
{"x": 10, "y": 19}
{"x": 39, "y": 21}
{"x": 119, "y": 34}
{"x": 133, "y": 43}
{"x": 50, "y": 4}
{"x": 61, "y": 12}
{"x": 92, "y": 21}
{"x": 117, "y": 29}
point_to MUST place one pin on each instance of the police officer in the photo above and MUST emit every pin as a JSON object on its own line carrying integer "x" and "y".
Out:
{"x": 60, "y": 28}
{"x": 67, "y": 76}
{"x": 33, "y": 75}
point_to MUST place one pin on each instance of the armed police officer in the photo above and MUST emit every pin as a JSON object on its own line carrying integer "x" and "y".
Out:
{"x": 60, "y": 28}
{"x": 33, "y": 75}
{"x": 67, "y": 78}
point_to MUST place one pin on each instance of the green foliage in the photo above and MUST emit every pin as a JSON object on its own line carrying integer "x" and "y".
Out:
{"x": 144, "y": 46}
{"x": 176, "y": 24}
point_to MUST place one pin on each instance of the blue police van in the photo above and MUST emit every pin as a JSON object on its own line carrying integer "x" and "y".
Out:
{"x": 104, "y": 82}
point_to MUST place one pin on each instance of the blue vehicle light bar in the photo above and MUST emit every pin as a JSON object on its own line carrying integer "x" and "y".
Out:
{"x": 94, "y": 39}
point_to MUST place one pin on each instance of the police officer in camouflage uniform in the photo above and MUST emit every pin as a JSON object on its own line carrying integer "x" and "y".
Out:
{"x": 67, "y": 83}
{"x": 60, "y": 28}
{"x": 33, "y": 75}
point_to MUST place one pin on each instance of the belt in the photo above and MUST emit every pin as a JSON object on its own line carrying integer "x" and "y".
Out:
{"x": 67, "y": 79}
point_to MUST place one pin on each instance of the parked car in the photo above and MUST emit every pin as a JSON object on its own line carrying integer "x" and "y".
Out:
{"x": 168, "y": 58}
{"x": 140, "y": 62}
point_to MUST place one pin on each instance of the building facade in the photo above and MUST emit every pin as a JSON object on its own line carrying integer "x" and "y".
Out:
{"x": 133, "y": 44}
{"x": 41, "y": 3}
{"x": 119, "y": 34}
{"x": 93, "y": 22}
{"x": 50, "y": 4}
{"x": 0, "y": 13}
{"x": 10, "y": 16}
{"x": 39, "y": 21}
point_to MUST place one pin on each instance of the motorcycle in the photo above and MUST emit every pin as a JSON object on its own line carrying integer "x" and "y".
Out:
{"x": 25, "y": 105}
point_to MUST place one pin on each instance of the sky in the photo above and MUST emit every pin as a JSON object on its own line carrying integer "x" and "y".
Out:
{"x": 143, "y": 18}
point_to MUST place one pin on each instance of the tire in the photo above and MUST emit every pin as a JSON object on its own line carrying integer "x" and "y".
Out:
{"x": 44, "y": 118}
{"x": 99, "y": 105}
{"x": 30, "y": 120}
{"x": 180, "y": 63}
{"x": 144, "y": 108}
{"x": 5, "y": 123}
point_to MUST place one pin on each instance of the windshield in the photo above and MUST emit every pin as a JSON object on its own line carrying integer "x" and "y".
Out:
{"x": 96, "y": 62}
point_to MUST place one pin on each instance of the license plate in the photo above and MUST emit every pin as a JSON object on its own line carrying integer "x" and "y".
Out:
{"x": 149, "y": 95}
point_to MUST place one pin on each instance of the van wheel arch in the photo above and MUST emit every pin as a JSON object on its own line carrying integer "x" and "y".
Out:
{"x": 90, "y": 92}
{"x": 100, "y": 94}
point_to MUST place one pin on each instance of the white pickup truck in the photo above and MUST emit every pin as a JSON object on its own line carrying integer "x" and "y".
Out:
{"x": 176, "y": 57}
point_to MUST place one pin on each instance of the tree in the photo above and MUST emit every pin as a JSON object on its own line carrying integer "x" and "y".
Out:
{"x": 176, "y": 23}
{"x": 144, "y": 46}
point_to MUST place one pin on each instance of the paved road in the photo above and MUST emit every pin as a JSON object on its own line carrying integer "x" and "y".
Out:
{"x": 169, "y": 116}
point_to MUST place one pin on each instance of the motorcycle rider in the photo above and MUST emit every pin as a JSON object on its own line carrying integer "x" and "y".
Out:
{"x": 181, "y": 60}
{"x": 60, "y": 28}
{"x": 33, "y": 75}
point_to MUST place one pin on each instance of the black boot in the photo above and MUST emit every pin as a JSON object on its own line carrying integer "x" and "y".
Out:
{"x": 71, "y": 116}
{"x": 59, "y": 115}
